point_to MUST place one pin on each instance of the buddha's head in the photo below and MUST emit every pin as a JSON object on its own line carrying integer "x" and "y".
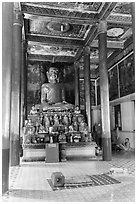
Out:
{"x": 53, "y": 75}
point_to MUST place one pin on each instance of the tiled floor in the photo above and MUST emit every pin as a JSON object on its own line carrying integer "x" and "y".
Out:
{"x": 29, "y": 181}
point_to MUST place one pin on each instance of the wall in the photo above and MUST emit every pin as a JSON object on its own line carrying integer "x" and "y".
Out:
{"x": 95, "y": 116}
{"x": 121, "y": 77}
{"x": 130, "y": 135}
{"x": 128, "y": 116}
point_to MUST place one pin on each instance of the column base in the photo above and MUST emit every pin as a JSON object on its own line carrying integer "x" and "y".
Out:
{"x": 14, "y": 152}
{"x": 106, "y": 146}
{"x": 5, "y": 170}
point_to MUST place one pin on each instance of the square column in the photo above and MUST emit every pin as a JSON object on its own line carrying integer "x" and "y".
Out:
{"x": 104, "y": 91}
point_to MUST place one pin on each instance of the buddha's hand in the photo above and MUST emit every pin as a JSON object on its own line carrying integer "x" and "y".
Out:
{"x": 64, "y": 101}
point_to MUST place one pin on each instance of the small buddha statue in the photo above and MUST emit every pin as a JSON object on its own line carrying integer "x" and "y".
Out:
{"x": 53, "y": 93}
{"x": 56, "y": 120}
{"x": 65, "y": 120}
{"x": 29, "y": 131}
{"x": 46, "y": 121}
{"x": 83, "y": 129}
{"x": 77, "y": 110}
{"x": 82, "y": 126}
{"x": 33, "y": 110}
{"x": 75, "y": 126}
{"x": 71, "y": 129}
{"x": 37, "y": 127}
{"x": 41, "y": 129}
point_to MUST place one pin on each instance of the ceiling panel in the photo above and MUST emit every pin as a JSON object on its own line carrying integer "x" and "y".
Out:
{"x": 58, "y": 31}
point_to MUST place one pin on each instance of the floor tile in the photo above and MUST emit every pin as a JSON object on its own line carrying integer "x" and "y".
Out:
{"x": 28, "y": 182}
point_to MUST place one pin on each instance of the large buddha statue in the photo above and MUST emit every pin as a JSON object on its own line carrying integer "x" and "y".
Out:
{"x": 53, "y": 93}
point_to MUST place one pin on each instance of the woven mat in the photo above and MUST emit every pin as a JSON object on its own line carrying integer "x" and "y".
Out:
{"x": 86, "y": 181}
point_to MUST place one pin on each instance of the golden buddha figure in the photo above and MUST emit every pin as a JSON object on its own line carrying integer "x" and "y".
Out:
{"x": 53, "y": 93}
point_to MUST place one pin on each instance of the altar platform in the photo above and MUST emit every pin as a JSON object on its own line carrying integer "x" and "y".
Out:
{"x": 37, "y": 152}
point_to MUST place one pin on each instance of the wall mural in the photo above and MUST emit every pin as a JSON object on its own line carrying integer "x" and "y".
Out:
{"x": 92, "y": 86}
{"x": 33, "y": 83}
{"x": 113, "y": 83}
{"x": 82, "y": 92}
{"x": 126, "y": 80}
{"x": 127, "y": 76}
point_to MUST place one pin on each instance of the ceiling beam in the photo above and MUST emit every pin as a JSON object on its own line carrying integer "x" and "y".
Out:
{"x": 55, "y": 41}
{"x": 110, "y": 44}
{"x": 128, "y": 41}
{"x": 66, "y": 19}
{"x": 120, "y": 19}
{"x": 50, "y": 58}
{"x": 79, "y": 54}
{"x": 113, "y": 19}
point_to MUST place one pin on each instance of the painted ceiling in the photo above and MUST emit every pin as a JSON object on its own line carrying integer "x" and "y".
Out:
{"x": 58, "y": 31}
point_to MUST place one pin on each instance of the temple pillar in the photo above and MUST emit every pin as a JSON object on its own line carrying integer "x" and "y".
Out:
{"x": 24, "y": 72}
{"x": 133, "y": 24}
{"x": 25, "y": 78}
{"x": 77, "y": 90}
{"x": 104, "y": 91}
{"x": 87, "y": 88}
{"x": 7, "y": 29}
{"x": 16, "y": 87}
{"x": 22, "y": 89}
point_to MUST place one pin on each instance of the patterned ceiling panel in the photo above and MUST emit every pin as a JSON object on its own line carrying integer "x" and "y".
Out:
{"x": 119, "y": 32}
{"x": 123, "y": 8}
{"x": 120, "y": 19}
{"x": 36, "y": 48}
{"x": 121, "y": 14}
{"x": 29, "y": 8}
{"x": 57, "y": 29}
{"x": 73, "y": 6}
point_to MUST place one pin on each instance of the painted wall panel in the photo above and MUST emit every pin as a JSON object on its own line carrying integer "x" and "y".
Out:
{"x": 128, "y": 116}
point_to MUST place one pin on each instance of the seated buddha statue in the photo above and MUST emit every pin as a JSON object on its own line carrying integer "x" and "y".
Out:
{"x": 53, "y": 93}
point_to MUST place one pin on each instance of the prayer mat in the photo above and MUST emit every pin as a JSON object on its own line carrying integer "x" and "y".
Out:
{"x": 86, "y": 181}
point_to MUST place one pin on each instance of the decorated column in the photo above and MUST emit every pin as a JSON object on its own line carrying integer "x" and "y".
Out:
{"x": 77, "y": 90}
{"x": 7, "y": 21}
{"x": 16, "y": 87}
{"x": 87, "y": 88}
{"x": 104, "y": 91}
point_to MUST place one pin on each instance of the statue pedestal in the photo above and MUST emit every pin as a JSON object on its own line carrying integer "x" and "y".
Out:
{"x": 80, "y": 150}
{"x": 33, "y": 152}
{"x": 52, "y": 153}
{"x": 62, "y": 151}
{"x": 55, "y": 152}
